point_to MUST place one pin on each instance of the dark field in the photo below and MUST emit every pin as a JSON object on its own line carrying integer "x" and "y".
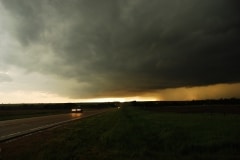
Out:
{"x": 136, "y": 133}
{"x": 224, "y": 106}
{"x": 223, "y": 109}
{"x": 19, "y": 113}
{"x": 15, "y": 111}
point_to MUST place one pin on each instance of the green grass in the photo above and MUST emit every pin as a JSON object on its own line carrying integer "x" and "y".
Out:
{"x": 129, "y": 134}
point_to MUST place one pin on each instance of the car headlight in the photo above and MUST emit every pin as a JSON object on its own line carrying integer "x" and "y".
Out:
{"x": 73, "y": 110}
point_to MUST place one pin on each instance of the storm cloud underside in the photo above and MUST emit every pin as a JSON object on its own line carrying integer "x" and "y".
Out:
{"x": 113, "y": 47}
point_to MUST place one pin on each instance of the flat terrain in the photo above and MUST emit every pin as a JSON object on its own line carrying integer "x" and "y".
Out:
{"x": 10, "y": 128}
{"x": 8, "y": 114}
{"x": 223, "y": 109}
{"x": 16, "y": 111}
{"x": 133, "y": 133}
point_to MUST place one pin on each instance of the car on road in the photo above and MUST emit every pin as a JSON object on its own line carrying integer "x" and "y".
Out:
{"x": 77, "y": 109}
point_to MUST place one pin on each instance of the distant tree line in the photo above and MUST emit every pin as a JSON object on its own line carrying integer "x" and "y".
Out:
{"x": 230, "y": 101}
{"x": 51, "y": 106}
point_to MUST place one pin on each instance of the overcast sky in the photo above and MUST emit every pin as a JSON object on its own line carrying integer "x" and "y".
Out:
{"x": 66, "y": 50}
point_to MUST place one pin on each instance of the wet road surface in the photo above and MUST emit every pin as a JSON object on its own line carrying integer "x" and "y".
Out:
{"x": 11, "y": 128}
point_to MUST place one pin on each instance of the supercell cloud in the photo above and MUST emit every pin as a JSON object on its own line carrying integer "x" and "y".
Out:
{"x": 122, "y": 47}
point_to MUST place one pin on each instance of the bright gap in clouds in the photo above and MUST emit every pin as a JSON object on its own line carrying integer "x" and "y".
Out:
{"x": 42, "y": 97}
{"x": 31, "y": 97}
{"x": 19, "y": 86}
{"x": 183, "y": 93}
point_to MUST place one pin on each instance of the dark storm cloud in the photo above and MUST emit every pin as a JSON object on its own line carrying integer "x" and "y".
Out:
{"x": 129, "y": 46}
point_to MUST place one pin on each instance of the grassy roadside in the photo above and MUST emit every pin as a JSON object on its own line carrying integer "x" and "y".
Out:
{"x": 131, "y": 133}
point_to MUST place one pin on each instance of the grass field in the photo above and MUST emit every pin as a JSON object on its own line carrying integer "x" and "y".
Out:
{"x": 131, "y": 133}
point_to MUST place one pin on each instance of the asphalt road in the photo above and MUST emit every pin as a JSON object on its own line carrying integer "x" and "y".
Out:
{"x": 18, "y": 127}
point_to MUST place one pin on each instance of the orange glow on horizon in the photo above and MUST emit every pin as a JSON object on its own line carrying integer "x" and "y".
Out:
{"x": 197, "y": 93}
{"x": 124, "y": 99}
{"x": 183, "y": 93}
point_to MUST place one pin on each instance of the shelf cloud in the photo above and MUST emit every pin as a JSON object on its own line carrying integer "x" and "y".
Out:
{"x": 116, "y": 48}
